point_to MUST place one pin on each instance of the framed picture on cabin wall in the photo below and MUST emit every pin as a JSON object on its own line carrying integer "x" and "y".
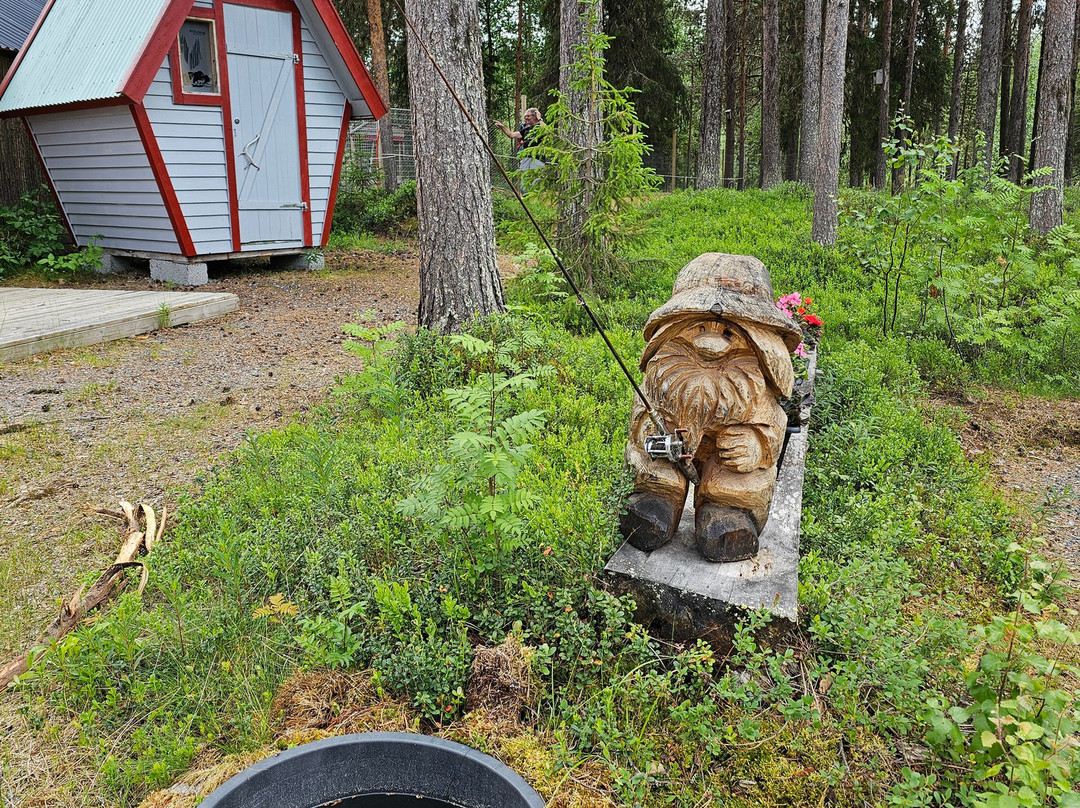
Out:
{"x": 197, "y": 47}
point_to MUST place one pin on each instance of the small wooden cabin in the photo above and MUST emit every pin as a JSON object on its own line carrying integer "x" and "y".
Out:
{"x": 188, "y": 131}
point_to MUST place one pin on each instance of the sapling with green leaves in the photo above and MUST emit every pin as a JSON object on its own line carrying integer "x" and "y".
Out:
{"x": 1011, "y": 741}
{"x": 379, "y": 384}
{"x": 962, "y": 252}
{"x": 475, "y": 497}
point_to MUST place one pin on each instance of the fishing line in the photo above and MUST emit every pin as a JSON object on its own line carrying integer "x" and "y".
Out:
{"x": 653, "y": 415}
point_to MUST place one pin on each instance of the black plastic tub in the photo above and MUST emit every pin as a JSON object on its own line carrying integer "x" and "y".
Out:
{"x": 377, "y": 770}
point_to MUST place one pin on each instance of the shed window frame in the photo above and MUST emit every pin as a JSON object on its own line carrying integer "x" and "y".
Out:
{"x": 183, "y": 92}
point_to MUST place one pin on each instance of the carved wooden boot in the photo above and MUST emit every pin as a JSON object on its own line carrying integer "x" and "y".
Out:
{"x": 650, "y": 520}
{"x": 725, "y": 534}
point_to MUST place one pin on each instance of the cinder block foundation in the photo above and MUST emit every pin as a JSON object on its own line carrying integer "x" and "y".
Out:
{"x": 111, "y": 263}
{"x": 313, "y": 261}
{"x": 179, "y": 272}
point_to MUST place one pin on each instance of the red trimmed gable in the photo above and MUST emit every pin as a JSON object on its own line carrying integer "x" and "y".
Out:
{"x": 336, "y": 28}
{"x": 160, "y": 40}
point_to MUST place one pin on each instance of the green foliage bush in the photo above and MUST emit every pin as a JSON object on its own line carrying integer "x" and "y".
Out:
{"x": 301, "y": 551}
{"x": 954, "y": 261}
{"x": 364, "y": 207}
{"x": 30, "y": 231}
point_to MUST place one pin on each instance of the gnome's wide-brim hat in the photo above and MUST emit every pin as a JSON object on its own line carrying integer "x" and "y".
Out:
{"x": 731, "y": 287}
{"x": 735, "y": 288}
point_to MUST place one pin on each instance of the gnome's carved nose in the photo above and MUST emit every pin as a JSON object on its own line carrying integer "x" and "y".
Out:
{"x": 714, "y": 346}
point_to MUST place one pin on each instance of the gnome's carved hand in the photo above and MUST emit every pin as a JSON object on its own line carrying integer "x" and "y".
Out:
{"x": 739, "y": 448}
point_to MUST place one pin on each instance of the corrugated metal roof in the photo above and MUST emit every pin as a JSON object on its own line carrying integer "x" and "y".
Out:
{"x": 82, "y": 52}
{"x": 17, "y": 18}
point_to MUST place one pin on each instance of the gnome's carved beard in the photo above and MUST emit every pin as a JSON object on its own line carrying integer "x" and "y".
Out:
{"x": 701, "y": 395}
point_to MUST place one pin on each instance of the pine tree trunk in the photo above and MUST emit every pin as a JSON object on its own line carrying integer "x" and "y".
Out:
{"x": 827, "y": 176}
{"x": 956, "y": 99}
{"x": 580, "y": 22}
{"x": 730, "y": 74}
{"x": 1007, "y": 58}
{"x": 1038, "y": 99}
{"x": 517, "y": 70}
{"x": 791, "y": 155}
{"x": 989, "y": 77}
{"x": 1070, "y": 143}
{"x": 811, "y": 92}
{"x": 884, "y": 119}
{"x": 741, "y": 183}
{"x": 710, "y": 143}
{"x": 1019, "y": 101}
{"x": 382, "y": 84}
{"x": 459, "y": 278}
{"x": 909, "y": 72}
{"x": 770, "y": 94}
{"x": 1054, "y": 96}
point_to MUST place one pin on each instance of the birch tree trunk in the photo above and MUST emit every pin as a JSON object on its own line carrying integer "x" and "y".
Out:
{"x": 1019, "y": 100}
{"x": 811, "y": 92}
{"x": 770, "y": 94}
{"x": 382, "y": 83}
{"x": 827, "y": 176}
{"x": 989, "y": 77}
{"x": 884, "y": 119}
{"x": 1054, "y": 97}
{"x": 579, "y": 24}
{"x": 710, "y": 142}
{"x": 955, "y": 101}
{"x": 459, "y": 278}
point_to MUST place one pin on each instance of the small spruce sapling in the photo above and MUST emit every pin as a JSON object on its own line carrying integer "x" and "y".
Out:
{"x": 606, "y": 177}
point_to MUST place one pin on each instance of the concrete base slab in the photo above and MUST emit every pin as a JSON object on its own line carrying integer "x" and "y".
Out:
{"x": 682, "y": 597}
{"x": 313, "y": 261}
{"x": 179, "y": 272}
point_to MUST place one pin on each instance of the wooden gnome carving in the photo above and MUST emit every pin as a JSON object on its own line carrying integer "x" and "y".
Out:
{"x": 716, "y": 362}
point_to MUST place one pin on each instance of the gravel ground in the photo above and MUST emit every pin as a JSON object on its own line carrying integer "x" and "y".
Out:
{"x": 140, "y": 418}
{"x": 1032, "y": 447}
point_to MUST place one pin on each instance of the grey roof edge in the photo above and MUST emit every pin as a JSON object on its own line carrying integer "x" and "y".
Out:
{"x": 17, "y": 19}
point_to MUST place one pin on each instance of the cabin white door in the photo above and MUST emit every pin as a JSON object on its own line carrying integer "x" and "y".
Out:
{"x": 262, "y": 86}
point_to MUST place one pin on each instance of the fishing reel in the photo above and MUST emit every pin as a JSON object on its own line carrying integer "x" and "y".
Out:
{"x": 667, "y": 447}
{"x": 672, "y": 447}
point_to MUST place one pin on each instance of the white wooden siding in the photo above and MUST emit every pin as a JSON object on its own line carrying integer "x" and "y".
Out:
{"x": 103, "y": 177}
{"x": 192, "y": 142}
{"x": 324, "y": 106}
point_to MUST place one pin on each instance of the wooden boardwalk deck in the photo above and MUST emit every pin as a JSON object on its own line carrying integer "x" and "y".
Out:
{"x": 36, "y": 320}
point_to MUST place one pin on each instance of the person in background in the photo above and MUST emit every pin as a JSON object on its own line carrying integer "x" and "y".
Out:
{"x": 524, "y": 136}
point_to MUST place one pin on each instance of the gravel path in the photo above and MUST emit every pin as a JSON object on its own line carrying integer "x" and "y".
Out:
{"x": 1032, "y": 446}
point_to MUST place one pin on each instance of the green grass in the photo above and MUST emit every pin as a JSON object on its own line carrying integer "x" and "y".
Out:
{"x": 905, "y": 550}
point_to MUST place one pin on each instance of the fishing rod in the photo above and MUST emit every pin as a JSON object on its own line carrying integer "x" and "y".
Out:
{"x": 666, "y": 445}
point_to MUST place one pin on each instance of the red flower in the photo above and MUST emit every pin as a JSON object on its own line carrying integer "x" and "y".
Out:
{"x": 808, "y": 301}
{"x": 801, "y": 310}
{"x": 813, "y": 319}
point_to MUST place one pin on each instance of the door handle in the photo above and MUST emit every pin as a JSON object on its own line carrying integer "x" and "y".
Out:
{"x": 244, "y": 153}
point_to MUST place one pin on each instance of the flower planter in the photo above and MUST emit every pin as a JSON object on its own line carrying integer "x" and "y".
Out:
{"x": 377, "y": 770}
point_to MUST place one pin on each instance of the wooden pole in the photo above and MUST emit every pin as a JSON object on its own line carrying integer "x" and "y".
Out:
{"x": 674, "y": 156}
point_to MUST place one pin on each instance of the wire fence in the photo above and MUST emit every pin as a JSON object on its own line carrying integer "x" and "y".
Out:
{"x": 364, "y": 144}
